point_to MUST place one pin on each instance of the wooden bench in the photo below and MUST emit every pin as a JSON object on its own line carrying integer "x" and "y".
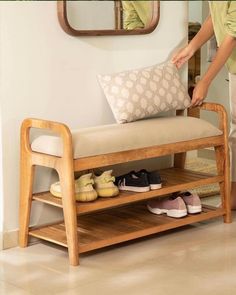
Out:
{"x": 108, "y": 221}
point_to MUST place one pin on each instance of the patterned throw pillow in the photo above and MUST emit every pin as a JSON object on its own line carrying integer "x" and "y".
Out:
{"x": 143, "y": 93}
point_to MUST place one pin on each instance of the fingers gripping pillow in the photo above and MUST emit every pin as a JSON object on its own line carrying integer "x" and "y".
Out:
{"x": 143, "y": 93}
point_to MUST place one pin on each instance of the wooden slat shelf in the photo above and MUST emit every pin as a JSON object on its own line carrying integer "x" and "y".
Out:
{"x": 174, "y": 179}
{"x": 116, "y": 225}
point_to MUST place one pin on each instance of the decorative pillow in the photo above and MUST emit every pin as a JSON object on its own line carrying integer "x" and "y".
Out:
{"x": 143, "y": 93}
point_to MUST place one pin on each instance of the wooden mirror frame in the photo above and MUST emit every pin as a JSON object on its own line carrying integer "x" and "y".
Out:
{"x": 63, "y": 20}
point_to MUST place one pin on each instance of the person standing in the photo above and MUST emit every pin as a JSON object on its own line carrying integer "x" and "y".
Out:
{"x": 222, "y": 23}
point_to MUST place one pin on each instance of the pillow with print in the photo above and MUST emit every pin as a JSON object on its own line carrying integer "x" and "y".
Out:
{"x": 143, "y": 93}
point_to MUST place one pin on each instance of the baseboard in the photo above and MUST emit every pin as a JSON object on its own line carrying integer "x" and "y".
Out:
{"x": 10, "y": 239}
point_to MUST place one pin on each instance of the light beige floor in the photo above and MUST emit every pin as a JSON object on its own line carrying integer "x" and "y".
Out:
{"x": 198, "y": 259}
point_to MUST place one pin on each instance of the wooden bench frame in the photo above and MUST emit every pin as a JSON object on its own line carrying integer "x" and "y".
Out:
{"x": 66, "y": 166}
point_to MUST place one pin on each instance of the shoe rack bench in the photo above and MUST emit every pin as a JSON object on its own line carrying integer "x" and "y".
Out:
{"x": 108, "y": 221}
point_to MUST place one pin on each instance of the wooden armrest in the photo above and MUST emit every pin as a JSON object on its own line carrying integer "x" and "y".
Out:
{"x": 212, "y": 107}
{"x": 55, "y": 127}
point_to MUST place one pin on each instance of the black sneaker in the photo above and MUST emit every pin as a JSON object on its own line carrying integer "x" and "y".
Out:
{"x": 133, "y": 182}
{"x": 154, "y": 178}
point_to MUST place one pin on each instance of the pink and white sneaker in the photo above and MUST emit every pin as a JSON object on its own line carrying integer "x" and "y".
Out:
{"x": 172, "y": 207}
{"x": 192, "y": 201}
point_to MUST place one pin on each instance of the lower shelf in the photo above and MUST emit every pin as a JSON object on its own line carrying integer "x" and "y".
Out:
{"x": 117, "y": 225}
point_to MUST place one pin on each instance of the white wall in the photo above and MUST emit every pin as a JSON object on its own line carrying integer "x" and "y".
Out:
{"x": 195, "y": 11}
{"x": 48, "y": 74}
{"x": 1, "y": 155}
{"x": 1, "y": 191}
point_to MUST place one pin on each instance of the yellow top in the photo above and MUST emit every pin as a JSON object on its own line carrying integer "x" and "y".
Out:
{"x": 223, "y": 14}
{"x": 136, "y": 14}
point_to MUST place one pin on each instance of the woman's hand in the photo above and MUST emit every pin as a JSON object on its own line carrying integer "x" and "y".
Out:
{"x": 199, "y": 93}
{"x": 223, "y": 53}
{"x": 182, "y": 56}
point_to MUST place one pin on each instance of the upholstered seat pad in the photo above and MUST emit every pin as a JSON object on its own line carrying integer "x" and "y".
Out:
{"x": 121, "y": 137}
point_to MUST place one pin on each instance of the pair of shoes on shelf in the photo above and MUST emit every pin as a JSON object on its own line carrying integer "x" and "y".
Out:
{"x": 141, "y": 181}
{"x": 89, "y": 187}
{"x": 176, "y": 207}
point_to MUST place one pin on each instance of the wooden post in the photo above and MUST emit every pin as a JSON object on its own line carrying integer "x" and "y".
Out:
{"x": 66, "y": 176}
{"x": 222, "y": 158}
{"x": 222, "y": 162}
{"x": 180, "y": 158}
{"x": 26, "y": 188}
{"x": 26, "y": 185}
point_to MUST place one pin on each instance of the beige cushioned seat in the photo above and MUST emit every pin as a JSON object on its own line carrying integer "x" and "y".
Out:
{"x": 121, "y": 137}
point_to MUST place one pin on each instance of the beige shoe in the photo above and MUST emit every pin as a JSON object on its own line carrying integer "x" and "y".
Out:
{"x": 172, "y": 207}
{"x": 84, "y": 191}
{"x": 192, "y": 202}
{"x": 104, "y": 185}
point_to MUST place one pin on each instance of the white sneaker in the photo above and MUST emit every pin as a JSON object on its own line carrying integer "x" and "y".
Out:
{"x": 104, "y": 185}
{"x": 84, "y": 190}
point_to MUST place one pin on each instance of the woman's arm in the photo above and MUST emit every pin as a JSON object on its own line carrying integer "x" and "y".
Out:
{"x": 223, "y": 53}
{"x": 204, "y": 34}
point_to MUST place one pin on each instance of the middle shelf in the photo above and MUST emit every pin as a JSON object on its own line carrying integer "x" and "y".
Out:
{"x": 174, "y": 179}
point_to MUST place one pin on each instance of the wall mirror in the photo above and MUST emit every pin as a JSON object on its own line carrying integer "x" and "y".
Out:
{"x": 118, "y": 17}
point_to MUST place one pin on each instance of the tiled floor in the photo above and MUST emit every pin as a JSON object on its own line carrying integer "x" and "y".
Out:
{"x": 198, "y": 259}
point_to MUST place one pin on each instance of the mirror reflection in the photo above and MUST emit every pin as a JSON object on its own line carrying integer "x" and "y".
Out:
{"x": 91, "y": 15}
{"x": 114, "y": 16}
{"x": 136, "y": 14}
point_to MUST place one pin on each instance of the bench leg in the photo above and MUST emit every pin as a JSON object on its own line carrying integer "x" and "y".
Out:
{"x": 69, "y": 211}
{"x": 222, "y": 162}
{"x": 27, "y": 171}
{"x": 179, "y": 160}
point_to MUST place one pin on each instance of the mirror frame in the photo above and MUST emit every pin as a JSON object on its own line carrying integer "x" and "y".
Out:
{"x": 63, "y": 20}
